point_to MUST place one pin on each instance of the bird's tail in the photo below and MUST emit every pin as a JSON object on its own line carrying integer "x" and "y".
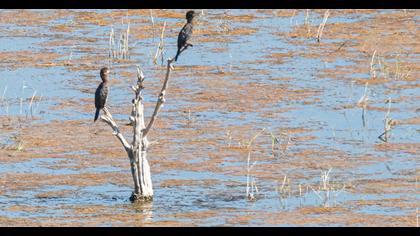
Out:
{"x": 96, "y": 114}
{"x": 177, "y": 54}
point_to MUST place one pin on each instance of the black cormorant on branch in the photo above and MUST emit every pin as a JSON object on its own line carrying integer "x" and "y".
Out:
{"x": 101, "y": 93}
{"x": 185, "y": 33}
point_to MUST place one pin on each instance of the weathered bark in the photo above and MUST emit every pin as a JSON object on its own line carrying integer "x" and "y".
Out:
{"x": 145, "y": 188}
{"x": 161, "y": 98}
{"x": 137, "y": 151}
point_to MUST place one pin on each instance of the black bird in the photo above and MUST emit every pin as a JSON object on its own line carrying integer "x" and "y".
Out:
{"x": 185, "y": 33}
{"x": 101, "y": 93}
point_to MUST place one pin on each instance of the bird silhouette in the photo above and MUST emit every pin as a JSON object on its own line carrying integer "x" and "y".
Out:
{"x": 101, "y": 94}
{"x": 185, "y": 33}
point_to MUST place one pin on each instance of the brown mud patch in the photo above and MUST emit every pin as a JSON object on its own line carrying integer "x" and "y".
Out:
{"x": 188, "y": 139}
{"x": 20, "y": 59}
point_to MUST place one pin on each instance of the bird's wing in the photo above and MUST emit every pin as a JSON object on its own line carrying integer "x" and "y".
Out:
{"x": 98, "y": 96}
{"x": 184, "y": 34}
{"x": 104, "y": 94}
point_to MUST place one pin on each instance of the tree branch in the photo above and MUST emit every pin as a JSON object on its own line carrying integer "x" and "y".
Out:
{"x": 161, "y": 99}
{"x": 107, "y": 118}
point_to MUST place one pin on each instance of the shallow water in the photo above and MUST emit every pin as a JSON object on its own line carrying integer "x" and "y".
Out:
{"x": 248, "y": 70}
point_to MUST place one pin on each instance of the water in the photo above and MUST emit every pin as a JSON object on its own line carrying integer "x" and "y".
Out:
{"x": 197, "y": 178}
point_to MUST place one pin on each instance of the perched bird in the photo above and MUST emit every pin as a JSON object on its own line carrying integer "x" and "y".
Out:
{"x": 101, "y": 93}
{"x": 185, "y": 33}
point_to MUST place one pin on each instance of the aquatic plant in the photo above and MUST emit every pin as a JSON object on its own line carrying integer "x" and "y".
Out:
{"x": 159, "y": 49}
{"x": 322, "y": 25}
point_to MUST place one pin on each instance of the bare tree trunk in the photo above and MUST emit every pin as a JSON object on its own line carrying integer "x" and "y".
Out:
{"x": 137, "y": 151}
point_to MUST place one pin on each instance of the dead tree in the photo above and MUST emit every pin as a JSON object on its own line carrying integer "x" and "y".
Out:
{"x": 137, "y": 150}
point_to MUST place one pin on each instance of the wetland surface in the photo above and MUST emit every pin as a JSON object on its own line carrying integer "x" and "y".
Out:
{"x": 321, "y": 106}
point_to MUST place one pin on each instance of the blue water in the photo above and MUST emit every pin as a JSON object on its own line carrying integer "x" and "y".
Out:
{"x": 334, "y": 129}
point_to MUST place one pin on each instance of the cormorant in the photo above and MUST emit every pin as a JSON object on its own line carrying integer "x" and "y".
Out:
{"x": 101, "y": 93}
{"x": 185, "y": 33}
